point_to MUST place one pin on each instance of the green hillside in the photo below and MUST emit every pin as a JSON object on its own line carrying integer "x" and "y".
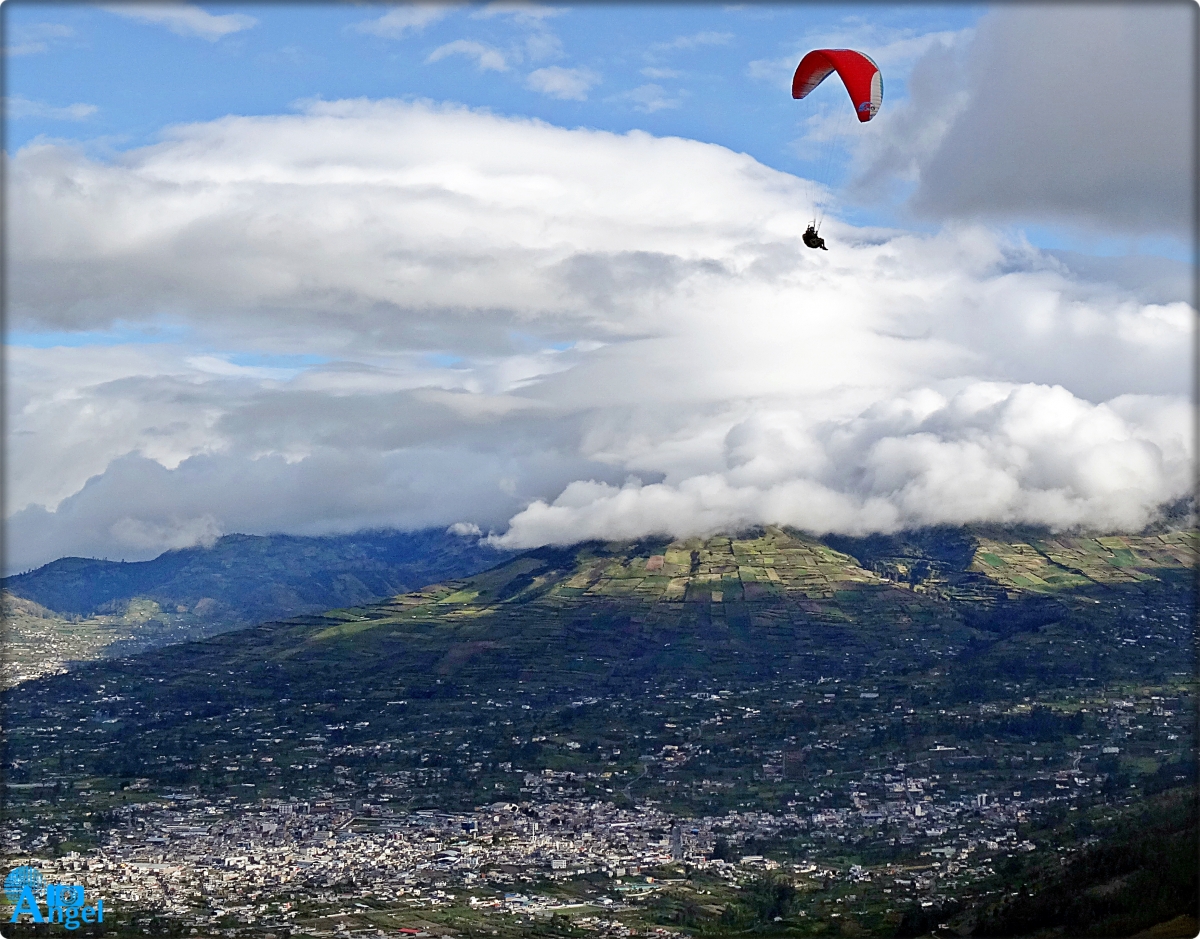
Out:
{"x": 1142, "y": 873}
{"x": 764, "y": 672}
{"x": 76, "y": 610}
{"x": 767, "y": 610}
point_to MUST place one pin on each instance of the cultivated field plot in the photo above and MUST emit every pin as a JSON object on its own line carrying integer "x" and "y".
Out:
{"x": 1068, "y": 562}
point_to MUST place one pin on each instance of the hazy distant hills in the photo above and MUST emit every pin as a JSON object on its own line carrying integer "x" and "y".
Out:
{"x": 262, "y": 576}
{"x": 76, "y": 609}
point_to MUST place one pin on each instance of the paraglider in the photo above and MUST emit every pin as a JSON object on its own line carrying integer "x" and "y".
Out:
{"x": 858, "y": 72}
{"x": 864, "y": 84}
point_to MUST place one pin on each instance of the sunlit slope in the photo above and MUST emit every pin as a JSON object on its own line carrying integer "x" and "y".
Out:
{"x": 665, "y": 581}
{"x": 1063, "y": 562}
{"x": 714, "y": 570}
{"x": 730, "y": 604}
{"x": 39, "y": 641}
{"x": 723, "y": 605}
{"x": 763, "y": 574}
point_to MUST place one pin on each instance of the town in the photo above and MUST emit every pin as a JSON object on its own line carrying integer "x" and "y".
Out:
{"x": 867, "y": 844}
{"x": 344, "y": 865}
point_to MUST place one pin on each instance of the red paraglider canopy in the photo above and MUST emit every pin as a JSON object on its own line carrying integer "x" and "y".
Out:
{"x": 860, "y": 75}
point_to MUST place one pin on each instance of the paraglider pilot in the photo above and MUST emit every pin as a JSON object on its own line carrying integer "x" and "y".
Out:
{"x": 863, "y": 82}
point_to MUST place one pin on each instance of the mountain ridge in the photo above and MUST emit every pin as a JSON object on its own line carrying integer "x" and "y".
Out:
{"x": 715, "y": 599}
{"x": 383, "y": 561}
{"x": 84, "y": 608}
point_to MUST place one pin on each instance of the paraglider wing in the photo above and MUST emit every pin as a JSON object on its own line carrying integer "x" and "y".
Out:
{"x": 859, "y": 74}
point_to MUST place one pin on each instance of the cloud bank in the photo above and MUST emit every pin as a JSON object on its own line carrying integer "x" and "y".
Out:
{"x": 990, "y": 453}
{"x": 387, "y": 313}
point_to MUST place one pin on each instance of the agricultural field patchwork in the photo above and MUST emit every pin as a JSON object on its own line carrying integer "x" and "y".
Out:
{"x": 1067, "y": 562}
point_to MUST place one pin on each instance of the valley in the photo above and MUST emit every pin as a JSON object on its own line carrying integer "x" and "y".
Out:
{"x": 889, "y": 725}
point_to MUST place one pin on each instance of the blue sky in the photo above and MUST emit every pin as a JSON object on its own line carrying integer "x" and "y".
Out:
{"x": 707, "y": 72}
{"x": 141, "y": 77}
{"x": 537, "y": 269}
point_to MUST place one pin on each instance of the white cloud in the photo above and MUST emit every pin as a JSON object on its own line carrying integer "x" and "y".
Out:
{"x": 138, "y": 534}
{"x": 567, "y": 83}
{"x": 184, "y": 19}
{"x": 513, "y": 319}
{"x": 526, "y": 13}
{"x": 693, "y": 41}
{"x": 991, "y": 453}
{"x": 17, "y": 107}
{"x": 538, "y": 41}
{"x": 486, "y": 58}
{"x": 34, "y": 38}
{"x": 652, "y": 97}
{"x": 404, "y": 19}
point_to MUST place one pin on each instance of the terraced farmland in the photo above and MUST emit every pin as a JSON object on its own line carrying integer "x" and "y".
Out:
{"x": 1068, "y": 562}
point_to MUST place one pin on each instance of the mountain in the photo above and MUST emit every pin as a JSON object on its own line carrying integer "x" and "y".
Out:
{"x": 261, "y": 575}
{"x": 911, "y": 724}
{"x": 908, "y": 622}
{"x": 77, "y": 609}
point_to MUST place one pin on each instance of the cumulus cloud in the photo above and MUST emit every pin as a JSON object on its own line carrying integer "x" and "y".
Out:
{"x": 989, "y": 453}
{"x": 549, "y": 334}
{"x": 486, "y": 58}
{"x": 184, "y": 19}
{"x": 1075, "y": 113}
{"x": 570, "y": 84}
